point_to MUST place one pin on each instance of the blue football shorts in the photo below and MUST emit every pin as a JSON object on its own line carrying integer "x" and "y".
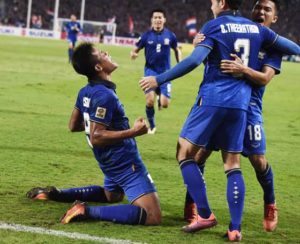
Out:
{"x": 255, "y": 139}
{"x": 134, "y": 182}
{"x": 164, "y": 89}
{"x": 223, "y": 128}
{"x": 71, "y": 41}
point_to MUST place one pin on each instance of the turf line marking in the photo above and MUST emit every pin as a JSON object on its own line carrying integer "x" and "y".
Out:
{"x": 71, "y": 235}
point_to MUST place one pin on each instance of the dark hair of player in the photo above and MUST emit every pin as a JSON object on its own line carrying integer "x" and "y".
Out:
{"x": 84, "y": 61}
{"x": 234, "y": 4}
{"x": 158, "y": 10}
{"x": 276, "y": 3}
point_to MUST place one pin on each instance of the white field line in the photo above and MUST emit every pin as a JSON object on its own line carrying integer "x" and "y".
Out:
{"x": 71, "y": 235}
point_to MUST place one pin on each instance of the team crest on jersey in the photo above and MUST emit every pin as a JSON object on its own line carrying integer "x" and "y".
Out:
{"x": 100, "y": 112}
{"x": 167, "y": 41}
{"x": 86, "y": 102}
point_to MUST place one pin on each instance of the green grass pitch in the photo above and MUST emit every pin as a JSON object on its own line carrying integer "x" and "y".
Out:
{"x": 38, "y": 89}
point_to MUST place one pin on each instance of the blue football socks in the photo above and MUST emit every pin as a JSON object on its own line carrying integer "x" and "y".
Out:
{"x": 266, "y": 181}
{"x": 196, "y": 187}
{"x": 70, "y": 52}
{"x": 85, "y": 194}
{"x": 122, "y": 214}
{"x": 188, "y": 198}
{"x": 235, "y": 197}
{"x": 150, "y": 116}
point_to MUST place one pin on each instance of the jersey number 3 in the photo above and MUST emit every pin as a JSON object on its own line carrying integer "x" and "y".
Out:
{"x": 245, "y": 45}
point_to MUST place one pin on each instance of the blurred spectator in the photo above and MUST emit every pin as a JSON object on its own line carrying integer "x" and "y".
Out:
{"x": 36, "y": 22}
{"x": 15, "y": 13}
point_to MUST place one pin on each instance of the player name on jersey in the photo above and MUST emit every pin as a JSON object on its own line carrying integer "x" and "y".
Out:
{"x": 239, "y": 28}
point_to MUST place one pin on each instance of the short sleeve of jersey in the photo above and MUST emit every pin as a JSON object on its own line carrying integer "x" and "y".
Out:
{"x": 273, "y": 60}
{"x": 268, "y": 36}
{"x": 208, "y": 30}
{"x": 102, "y": 108}
{"x": 141, "y": 41}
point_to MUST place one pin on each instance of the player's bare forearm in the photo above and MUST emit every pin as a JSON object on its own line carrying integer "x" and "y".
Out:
{"x": 237, "y": 68}
{"x": 134, "y": 53}
{"x": 178, "y": 54}
{"x": 100, "y": 136}
{"x": 260, "y": 78}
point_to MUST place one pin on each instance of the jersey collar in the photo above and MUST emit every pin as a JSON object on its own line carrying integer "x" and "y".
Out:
{"x": 158, "y": 32}
{"x": 230, "y": 12}
{"x": 107, "y": 83}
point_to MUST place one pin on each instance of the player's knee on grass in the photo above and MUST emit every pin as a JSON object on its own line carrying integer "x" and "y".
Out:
{"x": 259, "y": 162}
{"x": 150, "y": 203}
{"x": 153, "y": 217}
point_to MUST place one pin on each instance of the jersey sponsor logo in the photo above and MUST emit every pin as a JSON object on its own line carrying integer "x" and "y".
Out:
{"x": 150, "y": 42}
{"x": 261, "y": 55}
{"x": 167, "y": 41}
{"x": 86, "y": 102}
{"x": 100, "y": 112}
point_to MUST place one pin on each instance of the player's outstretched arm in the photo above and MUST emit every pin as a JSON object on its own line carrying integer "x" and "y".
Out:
{"x": 76, "y": 123}
{"x": 236, "y": 67}
{"x": 100, "y": 136}
{"x": 185, "y": 66}
{"x": 286, "y": 46}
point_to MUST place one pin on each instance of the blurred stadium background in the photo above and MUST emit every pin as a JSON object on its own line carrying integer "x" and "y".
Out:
{"x": 37, "y": 89}
{"x": 131, "y": 17}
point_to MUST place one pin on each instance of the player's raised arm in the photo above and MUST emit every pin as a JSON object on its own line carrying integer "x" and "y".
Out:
{"x": 182, "y": 68}
{"x": 286, "y": 46}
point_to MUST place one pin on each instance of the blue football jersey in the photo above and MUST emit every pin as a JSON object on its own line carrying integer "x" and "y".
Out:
{"x": 98, "y": 102}
{"x": 157, "y": 49}
{"x": 72, "y": 30}
{"x": 231, "y": 33}
{"x": 271, "y": 58}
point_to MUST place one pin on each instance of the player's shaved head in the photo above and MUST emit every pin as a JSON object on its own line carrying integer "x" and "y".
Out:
{"x": 84, "y": 61}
